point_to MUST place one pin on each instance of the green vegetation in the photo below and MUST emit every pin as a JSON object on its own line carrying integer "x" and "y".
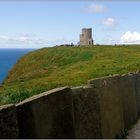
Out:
{"x": 48, "y": 68}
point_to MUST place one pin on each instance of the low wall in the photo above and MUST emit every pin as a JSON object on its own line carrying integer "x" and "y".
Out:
{"x": 48, "y": 115}
{"x": 111, "y": 107}
{"x": 137, "y": 89}
{"x": 8, "y": 122}
{"x": 86, "y": 109}
{"x": 128, "y": 92}
{"x": 104, "y": 108}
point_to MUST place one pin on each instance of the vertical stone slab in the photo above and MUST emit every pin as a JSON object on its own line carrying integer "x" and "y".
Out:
{"x": 8, "y": 122}
{"x": 137, "y": 88}
{"x": 47, "y": 115}
{"x": 111, "y": 108}
{"x": 128, "y": 92}
{"x": 87, "y": 119}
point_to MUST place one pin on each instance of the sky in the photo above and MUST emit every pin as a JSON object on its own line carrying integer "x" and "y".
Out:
{"x": 37, "y": 24}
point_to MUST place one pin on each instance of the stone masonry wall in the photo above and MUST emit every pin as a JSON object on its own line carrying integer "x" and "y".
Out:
{"x": 137, "y": 89}
{"x": 8, "y": 122}
{"x": 87, "y": 117}
{"x": 128, "y": 92}
{"x": 48, "y": 115}
{"x": 111, "y": 107}
{"x": 104, "y": 108}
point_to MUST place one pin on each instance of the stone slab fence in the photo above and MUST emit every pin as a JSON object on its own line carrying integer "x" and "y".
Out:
{"x": 104, "y": 108}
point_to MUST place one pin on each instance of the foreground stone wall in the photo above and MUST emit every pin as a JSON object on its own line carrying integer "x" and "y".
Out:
{"x": 48, "y": 115}
{"x": 137, "y": 89}
{"x": 111, "y": 107}
{"x": 87, "y": 117}
{"x": 104, "y": 108}
{"x": 8, "y": 122}
{"x": 128, "y": 92}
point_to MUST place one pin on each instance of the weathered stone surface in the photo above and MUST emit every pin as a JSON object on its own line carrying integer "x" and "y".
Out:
{"x": 111, "y": 107}
{"x": 128, "y": 92}
{"x": 8, "y": 122}
{"x": 137, "y": 88}
{"x": 48, "y": 115}
{"x": 86, "y": 108}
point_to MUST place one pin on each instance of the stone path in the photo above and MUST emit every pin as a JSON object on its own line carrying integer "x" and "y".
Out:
{"x": 134, "y": 133}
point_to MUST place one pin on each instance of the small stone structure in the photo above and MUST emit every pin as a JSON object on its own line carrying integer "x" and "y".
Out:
{"x": 86, "y": 37}
{"x": 104, "y": 108}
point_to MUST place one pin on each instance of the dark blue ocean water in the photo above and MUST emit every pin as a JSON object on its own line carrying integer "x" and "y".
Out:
{"x": 8, "y": 57}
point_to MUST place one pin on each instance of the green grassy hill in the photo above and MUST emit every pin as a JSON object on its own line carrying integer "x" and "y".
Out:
{"x": 49, "y": 68}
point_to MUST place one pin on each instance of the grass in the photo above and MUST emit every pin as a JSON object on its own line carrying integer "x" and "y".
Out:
{"x": 48, "y": 68}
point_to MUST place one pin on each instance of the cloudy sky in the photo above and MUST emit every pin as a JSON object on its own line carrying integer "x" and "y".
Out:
{"x": 34, "y": 24}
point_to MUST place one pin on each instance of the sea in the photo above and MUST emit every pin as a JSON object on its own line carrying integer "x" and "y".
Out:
{"x": 8, "y": 57}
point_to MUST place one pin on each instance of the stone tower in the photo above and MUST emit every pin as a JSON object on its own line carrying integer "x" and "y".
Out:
{"x": 86, "y": 37}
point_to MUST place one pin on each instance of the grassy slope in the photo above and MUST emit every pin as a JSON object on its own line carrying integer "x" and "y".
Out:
{"x": 48, "y": 68}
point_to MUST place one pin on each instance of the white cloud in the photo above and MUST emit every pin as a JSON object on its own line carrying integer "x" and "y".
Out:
{"x": 130, "y": 37}
{"x": 32, "y": 41}
{"x": 13, "y": 38}
{"x": 24, "y": 40}
{"x": 110, "y": 22}
{"x": 62, "y": 40}
{"x": 93, "y": 8}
